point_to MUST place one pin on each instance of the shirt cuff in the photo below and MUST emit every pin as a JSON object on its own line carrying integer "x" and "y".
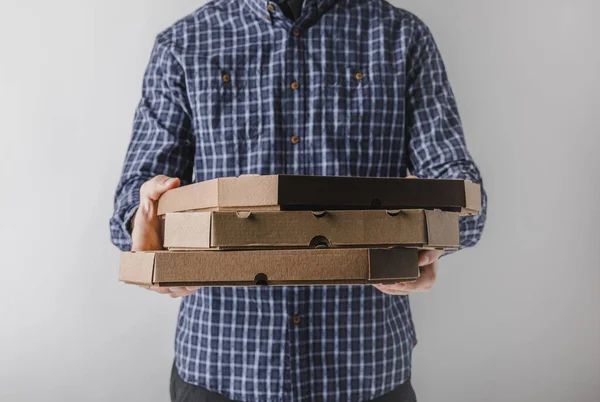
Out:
{"x": 127, "y": 221}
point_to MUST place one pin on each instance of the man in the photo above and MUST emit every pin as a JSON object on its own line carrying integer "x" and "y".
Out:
{"x": 320, "y": 87}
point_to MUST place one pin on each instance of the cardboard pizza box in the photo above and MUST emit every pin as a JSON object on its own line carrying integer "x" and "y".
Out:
{"x": 352, "y": 266}
{"x": 286, "y": 192}
{"x": 310, "y": 229}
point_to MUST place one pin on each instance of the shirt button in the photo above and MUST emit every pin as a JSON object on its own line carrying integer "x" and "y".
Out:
{"x": 271, "y": 8}
{"x": 295, "y": 86}
{"x": 296, "y": 32}
{"x": 267, "y": 17}
{"x": 359, "y": 76}
{"x": 226, "y": 78}
{"x": 296, "y": 319}
{"x": 295, "y": 139}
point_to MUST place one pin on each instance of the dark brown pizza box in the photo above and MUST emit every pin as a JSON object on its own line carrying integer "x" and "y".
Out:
{"x": 287, "y": 192}
{"x": 307, "y": 229}
{"x": 352, "y": 266}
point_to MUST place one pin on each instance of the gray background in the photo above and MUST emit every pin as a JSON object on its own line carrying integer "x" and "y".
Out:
{"x": 515, "y": 319}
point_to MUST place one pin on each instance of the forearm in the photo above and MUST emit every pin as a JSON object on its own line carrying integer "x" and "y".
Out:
{"x": 437, "y": 145}
{"x": 162, "y": 142}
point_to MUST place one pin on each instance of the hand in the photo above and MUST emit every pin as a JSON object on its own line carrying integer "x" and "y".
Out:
{"x": 145, "y": 234}
{"x": 428, "y": 261}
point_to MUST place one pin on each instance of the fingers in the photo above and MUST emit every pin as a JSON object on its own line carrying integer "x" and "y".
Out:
{"x": 154, "y": 188}
{"x": 398, "y": 289}
{"x": 173, "y": 292}
{"x": 427, "y": 257}
{"x": 150, "y": 192}
{"x": 428, "y": 261}
{"x": 411, "y": 177}
{"x": 182, "y": 291}
{"x": 162, "y": 291}
{"x": 426, "y": 280}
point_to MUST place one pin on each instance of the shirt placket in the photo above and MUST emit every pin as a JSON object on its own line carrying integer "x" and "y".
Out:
{"x": 295, "y": 102}
{"x": 293, "y": 113}
{"x": 298, "y": 91}
{"x": 295, "y": 93}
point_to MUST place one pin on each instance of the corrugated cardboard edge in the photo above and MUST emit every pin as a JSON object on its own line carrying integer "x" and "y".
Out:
{"x": 472, "y": 198}
{"x": 442, "y": 229}
{"x": 188, "y": 198}
{"x": 271, "y": 208}
{"x": 248, "y": 191}
{"x": 137, "y": 268}
{"x": 188, "y": 229}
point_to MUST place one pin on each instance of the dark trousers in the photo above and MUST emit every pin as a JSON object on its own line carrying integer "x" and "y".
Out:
{"x": 184, "y": 392}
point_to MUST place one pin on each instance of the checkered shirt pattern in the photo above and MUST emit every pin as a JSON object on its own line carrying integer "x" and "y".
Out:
{"x": 361, "y": 87}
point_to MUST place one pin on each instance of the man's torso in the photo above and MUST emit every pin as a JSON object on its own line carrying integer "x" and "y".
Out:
{"x": 322, "y": 95}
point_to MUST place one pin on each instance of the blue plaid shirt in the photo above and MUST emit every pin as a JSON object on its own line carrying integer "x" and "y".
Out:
{"x": 352, "y": 88}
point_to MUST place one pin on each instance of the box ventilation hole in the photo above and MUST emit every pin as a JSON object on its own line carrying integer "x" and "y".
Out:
{"x": 261, "y": 280}
{"x": 319, "y": 242}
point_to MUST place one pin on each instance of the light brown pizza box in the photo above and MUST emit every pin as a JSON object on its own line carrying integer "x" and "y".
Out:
{"x": 352, "y": 266}
{"x": 306, "y": 229}
{"x": 288, "y": 192}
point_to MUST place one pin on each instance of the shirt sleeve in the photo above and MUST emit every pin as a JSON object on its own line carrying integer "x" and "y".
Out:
{"x": 162, "y": 142}
{"x": 437, "y": 146}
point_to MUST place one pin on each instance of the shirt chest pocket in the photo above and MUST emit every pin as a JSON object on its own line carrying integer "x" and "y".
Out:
{"x": 229, "y": 103}
{"x": 360, "y": 100}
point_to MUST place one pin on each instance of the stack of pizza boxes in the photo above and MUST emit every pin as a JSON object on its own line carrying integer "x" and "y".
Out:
{"x": 301, "y": 230}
